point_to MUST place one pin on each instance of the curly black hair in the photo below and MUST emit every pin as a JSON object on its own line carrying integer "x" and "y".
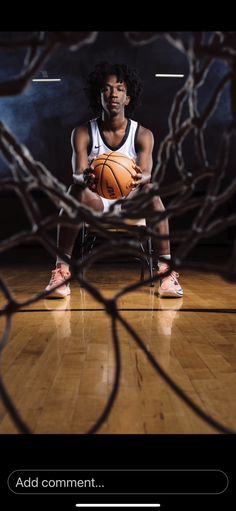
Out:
{"x": 124, "y": 73}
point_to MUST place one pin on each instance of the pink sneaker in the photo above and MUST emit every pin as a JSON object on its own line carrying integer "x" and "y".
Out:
{"x": 169, "y": 286}
{"x": 59, "y": 275}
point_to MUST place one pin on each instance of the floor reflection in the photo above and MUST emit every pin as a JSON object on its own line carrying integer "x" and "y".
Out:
{"x": 168, "y": 314}
{"x": 61, "y": 314}
{"x": 160, "y": 322}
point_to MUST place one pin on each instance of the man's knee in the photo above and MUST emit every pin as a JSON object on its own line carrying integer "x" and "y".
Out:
{"x": 87, "y": 197}
{"x": 155, "y": 202}
{"x": 75, "y": 190}
{"x": 80, "y": 194}
{"x": 158, "y": 204}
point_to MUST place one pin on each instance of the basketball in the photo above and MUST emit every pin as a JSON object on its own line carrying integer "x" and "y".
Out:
{"x": 114, "y": 174}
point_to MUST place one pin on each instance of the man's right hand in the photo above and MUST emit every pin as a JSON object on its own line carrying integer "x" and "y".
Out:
{"x": 89, "y": 178}
{"x": 85, "y": 179}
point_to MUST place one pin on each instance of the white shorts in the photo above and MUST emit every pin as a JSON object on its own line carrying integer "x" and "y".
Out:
{"x": 108, "y": 202}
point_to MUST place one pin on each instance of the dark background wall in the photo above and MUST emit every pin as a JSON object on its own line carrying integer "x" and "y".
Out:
{"x": 45, "y": 114}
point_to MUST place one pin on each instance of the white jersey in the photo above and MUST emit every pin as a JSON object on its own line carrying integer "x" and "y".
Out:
{"x": 98, "y": 146}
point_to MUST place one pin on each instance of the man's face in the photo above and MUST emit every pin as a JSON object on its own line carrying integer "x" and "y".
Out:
{"x": 114, "y": 95}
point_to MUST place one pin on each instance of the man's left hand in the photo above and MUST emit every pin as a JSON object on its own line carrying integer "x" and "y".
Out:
{"x": 138, "y": 178}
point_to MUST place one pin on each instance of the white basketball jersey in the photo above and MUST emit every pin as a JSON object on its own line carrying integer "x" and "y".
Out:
{"x": 100, "y": 146}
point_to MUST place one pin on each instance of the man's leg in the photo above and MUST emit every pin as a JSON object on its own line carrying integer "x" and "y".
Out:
{"x": 66, "y": 237}
{"x": 169, "y": 286}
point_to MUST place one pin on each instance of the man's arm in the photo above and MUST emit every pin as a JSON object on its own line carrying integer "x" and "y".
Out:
{"x": 145, "y": 143}
{"x": 80, "y": 142}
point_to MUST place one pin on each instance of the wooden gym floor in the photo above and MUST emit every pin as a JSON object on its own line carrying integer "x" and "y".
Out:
{"x": 58, "y": 365}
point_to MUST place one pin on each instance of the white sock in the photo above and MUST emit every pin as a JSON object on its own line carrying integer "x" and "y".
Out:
{"x": 60, "y": 260}
{"x": 164, "y": 258}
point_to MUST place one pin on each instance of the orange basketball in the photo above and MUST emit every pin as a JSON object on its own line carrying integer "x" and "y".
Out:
{"x": 113, "y": 175}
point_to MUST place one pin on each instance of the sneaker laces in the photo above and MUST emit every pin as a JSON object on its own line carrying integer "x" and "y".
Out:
{"x": 59, "y": 274}
{"x": 173, "y": 276}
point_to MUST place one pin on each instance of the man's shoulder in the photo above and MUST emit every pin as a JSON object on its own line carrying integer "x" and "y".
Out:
{"x": 82, "y": 128}
{"x": 80, "y": 135}
{"x": 145, "y": 138}
{"x": 144, "y": 132}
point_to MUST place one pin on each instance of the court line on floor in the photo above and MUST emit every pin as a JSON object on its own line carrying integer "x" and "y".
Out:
{"x": 220, "y": 311}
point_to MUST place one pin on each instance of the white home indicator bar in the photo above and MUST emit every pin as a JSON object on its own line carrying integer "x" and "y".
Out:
{"x": 118, "y": 505}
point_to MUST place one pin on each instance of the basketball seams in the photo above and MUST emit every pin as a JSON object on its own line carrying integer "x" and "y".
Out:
{"x": 116, "y": 180}
{"x": 101, "y": 178}
{"x": 98, "y": 168}
{"x": 121, "y": 165}
{"x": 104, "y": 162}
{"x": 113, "y": 177}
{"x": 113, "y": 174}
{"x": 119, "y": 155}
{"x": 101, "y": 175}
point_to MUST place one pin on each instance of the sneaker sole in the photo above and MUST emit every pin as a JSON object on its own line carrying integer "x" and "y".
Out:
{"x": 169, "y": 294}
{"x": 57, "y": 294}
